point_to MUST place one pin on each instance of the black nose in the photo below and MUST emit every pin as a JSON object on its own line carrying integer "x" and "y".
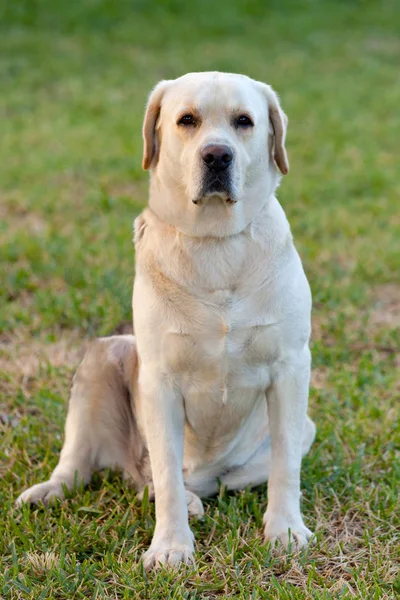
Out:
{"x": 217, "y": 157}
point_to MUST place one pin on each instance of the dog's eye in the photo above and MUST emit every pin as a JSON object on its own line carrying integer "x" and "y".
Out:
{"x": 187, "y": 120}
{"x": 244, "y": 121}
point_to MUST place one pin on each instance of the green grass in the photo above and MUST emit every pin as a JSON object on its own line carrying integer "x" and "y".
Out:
{"x": 74, "y": 81}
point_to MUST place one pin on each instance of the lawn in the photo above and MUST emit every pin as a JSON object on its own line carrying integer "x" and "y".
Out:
{"x": 74, "y": 80}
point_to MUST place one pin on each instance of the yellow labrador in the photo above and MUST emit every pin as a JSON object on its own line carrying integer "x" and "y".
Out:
{"x": 214, "y": 384}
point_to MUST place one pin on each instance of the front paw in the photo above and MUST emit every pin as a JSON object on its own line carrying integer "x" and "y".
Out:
{"x": 285, "y": 533}
{"x": 169, "y": 552}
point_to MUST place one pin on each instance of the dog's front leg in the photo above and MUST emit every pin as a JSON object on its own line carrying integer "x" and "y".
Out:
{"x": 164, "y": 419}
{"x": 287, "y": 408}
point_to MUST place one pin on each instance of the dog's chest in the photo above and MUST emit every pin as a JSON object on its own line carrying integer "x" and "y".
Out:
{"x": 222, "y": 365}
{"x": 227, "y": 329}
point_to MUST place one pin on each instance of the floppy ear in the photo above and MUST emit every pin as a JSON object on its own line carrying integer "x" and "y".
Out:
{"x": 150, "y": 141}
{"x": 279, "y": 123}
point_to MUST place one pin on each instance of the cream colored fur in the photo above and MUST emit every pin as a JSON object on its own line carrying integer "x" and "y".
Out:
{"x": 214, "y": 384}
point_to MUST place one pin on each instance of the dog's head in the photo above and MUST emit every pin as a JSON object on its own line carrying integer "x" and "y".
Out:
{"x": 215, "y": 143}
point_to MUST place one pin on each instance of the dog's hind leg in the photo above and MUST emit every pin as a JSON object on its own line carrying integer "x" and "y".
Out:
{"x": 257, "y": 470}
{"x": 101, "y": 428}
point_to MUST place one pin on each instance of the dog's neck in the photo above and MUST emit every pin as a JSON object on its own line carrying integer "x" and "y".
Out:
{"x": 213, "y": 263}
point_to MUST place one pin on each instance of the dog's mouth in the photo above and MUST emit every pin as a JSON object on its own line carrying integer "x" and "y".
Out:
{"x": 216, "y": 187}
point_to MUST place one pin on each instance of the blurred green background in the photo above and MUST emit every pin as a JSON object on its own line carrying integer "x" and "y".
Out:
{"x": 74, "y": 79}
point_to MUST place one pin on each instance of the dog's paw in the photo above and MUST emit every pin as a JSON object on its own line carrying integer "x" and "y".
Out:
{"x": 194, "y": 504}
{"x": 44, "y": 493}
{"x": 168, "y": 557}
{"x": 286, "y": 535}
{"x": 163, "y": 552}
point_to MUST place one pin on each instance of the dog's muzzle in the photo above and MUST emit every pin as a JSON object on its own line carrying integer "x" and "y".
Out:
{"x": 217, "y": 160}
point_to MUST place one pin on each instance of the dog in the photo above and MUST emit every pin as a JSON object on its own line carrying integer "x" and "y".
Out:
{"x": 213, "y": 387}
